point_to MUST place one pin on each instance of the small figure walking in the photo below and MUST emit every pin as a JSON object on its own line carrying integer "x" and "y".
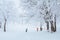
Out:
{"x": 26, "y": 29}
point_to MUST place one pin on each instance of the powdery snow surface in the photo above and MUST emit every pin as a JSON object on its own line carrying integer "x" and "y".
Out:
{"x": 29, "y": 36}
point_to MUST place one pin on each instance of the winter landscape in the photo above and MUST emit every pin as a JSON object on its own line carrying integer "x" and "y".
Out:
{"x": 29, "y": 19}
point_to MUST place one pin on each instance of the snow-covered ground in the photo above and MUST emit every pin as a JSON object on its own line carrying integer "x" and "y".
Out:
{"x": 16, "y": 33}
{"x": 29, "y": 36}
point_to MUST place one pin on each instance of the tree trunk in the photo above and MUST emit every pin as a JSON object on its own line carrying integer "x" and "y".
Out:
{"x": 52, "y": 27}
{"x": 37, "y": 29}
{"x": 0, "y": 24}
{"x": 55, "y": 23}
{"x": 40, "y": 28}
{"x": 5, "y": 25}
{"x": 47, "y": 25}
{"x": 55, "y": 26}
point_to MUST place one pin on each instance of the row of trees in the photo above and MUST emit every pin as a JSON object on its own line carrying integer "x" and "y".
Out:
{"x": 44, "y": 9}
{"x": 48, "y": 17}
{"x": 47, "y": 14}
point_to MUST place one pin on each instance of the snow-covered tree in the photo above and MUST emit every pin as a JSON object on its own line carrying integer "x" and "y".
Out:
{"x": 6, "y": 10}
